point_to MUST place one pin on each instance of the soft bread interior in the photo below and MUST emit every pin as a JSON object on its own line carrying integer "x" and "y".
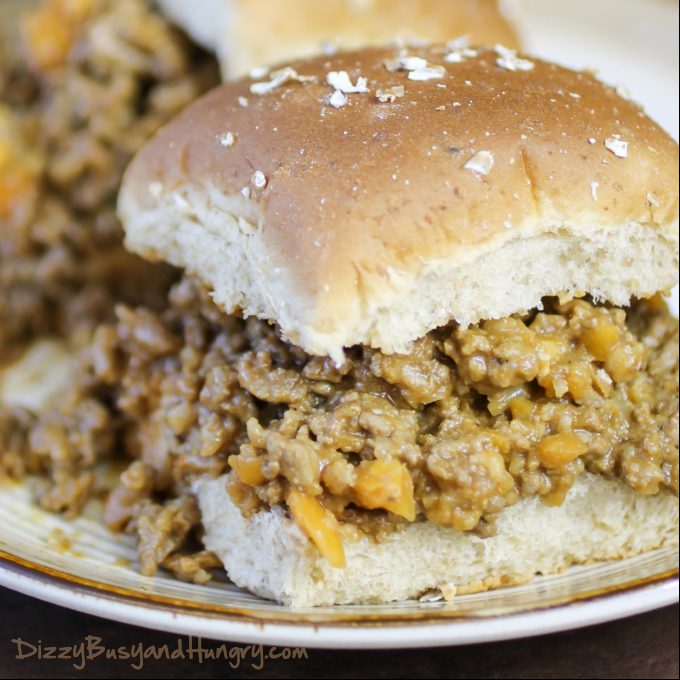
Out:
{"x": 220, "y": 239}
{"x": 270, "y": 556}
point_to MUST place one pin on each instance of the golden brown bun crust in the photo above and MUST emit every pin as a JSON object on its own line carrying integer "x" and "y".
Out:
{"x": 250, "y": 33}
{"x": 363, "y": 197}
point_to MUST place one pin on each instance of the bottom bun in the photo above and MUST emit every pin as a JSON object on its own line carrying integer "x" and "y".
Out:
{"x": 270, "y": 556}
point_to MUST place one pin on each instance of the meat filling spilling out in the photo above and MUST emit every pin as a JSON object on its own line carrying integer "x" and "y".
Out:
{"x": 98, "y": 79}
{"x": 467, "y": 424}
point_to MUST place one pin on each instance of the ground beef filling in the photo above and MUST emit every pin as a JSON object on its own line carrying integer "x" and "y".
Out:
{"x": 99, "y": 78}
{"x": 465, "y": 425}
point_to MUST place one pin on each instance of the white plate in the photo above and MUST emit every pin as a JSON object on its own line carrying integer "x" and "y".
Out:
{"x": 635, "y": 43}
{"x": 95, "y": 572}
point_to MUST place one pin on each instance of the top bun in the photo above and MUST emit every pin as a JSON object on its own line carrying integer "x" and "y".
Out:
{"x": 253, "y": 33}
{"x": 492, "y": 182}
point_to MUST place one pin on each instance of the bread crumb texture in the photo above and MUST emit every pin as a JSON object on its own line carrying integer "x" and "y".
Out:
{"x": 270, "y": 556}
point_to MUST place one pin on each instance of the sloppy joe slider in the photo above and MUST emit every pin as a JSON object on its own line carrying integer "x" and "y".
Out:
{"x": 441, "y": 359}
{"x": 249, "y": 34}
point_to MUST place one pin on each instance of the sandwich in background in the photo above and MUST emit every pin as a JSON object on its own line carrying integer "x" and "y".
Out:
{"x": 248, "y": 34}
{"x": 83, "y": 85}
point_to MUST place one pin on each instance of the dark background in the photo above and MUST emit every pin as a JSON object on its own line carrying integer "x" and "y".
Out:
{"x": 641, "y": 647}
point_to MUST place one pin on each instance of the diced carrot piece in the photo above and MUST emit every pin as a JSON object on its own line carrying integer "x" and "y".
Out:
{"x": 13, "y": 186}
{"x": 601, "y": 340}
{"x": 249, "y": 470}
{"x": 522, "y": 408}
{"x": 320, "y": 525}
{"x": 385, "y": 483}
{"x": 556, "y": 451}
{"x": 47, "y": 37}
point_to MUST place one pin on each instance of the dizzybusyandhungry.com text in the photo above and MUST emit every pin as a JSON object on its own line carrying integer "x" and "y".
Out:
{"x": 93, "y": 648}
